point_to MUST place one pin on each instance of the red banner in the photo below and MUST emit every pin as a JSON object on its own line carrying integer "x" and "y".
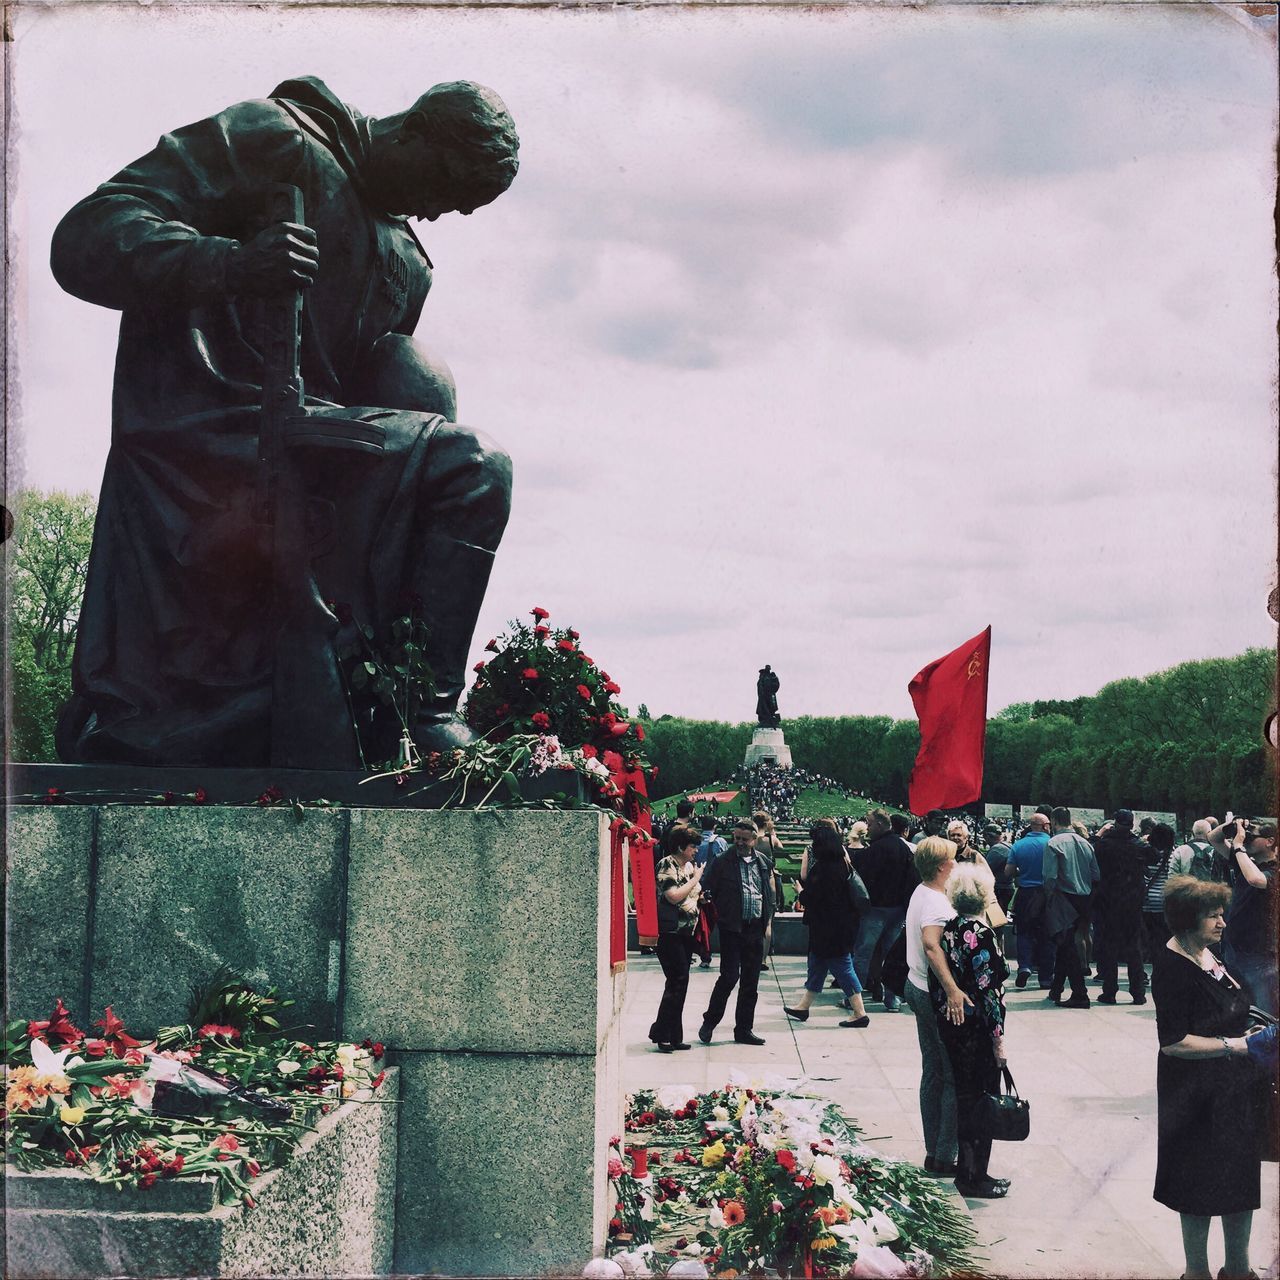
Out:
{"x": 634, "y": 796}
{"x": 950, "y": 698}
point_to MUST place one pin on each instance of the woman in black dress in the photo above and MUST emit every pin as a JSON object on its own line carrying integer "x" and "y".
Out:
{"x": 1209, "y": 1095}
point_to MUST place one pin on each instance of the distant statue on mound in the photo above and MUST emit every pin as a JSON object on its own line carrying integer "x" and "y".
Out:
{"x": 285, "y": 459}
{"x": 767, "y": 686}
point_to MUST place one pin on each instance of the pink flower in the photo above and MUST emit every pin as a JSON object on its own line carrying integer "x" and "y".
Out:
{"x": 971, "y": 939}
{"x": 616, "y": 1168}
{"x": 225, "y": 1142}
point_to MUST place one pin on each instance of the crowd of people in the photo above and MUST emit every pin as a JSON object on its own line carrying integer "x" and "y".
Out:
{"x": 924, "y": 926}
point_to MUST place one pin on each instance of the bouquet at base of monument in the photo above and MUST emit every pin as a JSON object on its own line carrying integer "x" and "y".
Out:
{"x": 539, "y": 681}
{"x": 765, "y": 1177}
{"x": 226, "y": 1096}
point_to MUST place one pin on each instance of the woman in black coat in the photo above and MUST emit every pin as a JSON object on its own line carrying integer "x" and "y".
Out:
{"x": 830, "y": 897}
{"x": 1211, "y": 1099}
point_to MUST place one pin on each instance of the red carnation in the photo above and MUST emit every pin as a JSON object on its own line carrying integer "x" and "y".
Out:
{"x": 619, "y": 729}
{"x": 589, "y": 752}
{"x": 318, "y": 1072}
{"x": 95, "y": 1048}
{"x": 787, "y": 1159}
{"x": 377, "y": 1080}
{"x": 565, "y": 645}
{"x": 478, "y": 667}
{"x": 611, "y": 686}
{"x": 541, "y": 720}
{"x": 201, "y": 795}
{"x": 541, "y": 633}
{"x": 584, "y": 692}
{"x": 539, "y": 613}
{"x": 492, "y": 646}
{"x": 147, "y": 1181}
{"x": 529, "y": 673}
{"x": 587, "y": 660}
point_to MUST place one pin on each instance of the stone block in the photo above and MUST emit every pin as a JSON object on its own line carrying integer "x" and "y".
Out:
{"x": 479, "y": 931}
{"x": 49, "y": 851}
{"x": 328, "y": 1212}
{"x": 182, "y": 891}
{"x": 767, "y": 746}
{"x": 500, "y": 1162}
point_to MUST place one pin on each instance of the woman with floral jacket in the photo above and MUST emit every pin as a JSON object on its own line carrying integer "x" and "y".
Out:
{"x": 975, "y": 1046}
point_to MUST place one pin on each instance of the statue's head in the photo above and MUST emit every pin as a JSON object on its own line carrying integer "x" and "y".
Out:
{"x": 455, "y": 149}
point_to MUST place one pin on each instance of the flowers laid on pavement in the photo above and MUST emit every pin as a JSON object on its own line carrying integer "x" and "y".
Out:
{"x": 767, "y": 1179}
{"x": 226, "y": 1096}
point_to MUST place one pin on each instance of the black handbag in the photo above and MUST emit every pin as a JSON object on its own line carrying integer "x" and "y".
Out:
{"x": 1004, "y": 1117}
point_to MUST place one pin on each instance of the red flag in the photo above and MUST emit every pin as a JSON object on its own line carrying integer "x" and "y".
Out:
{"x": 950, "y": 698}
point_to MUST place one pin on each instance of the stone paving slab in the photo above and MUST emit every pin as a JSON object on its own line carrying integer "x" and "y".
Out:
{"x": 1081, "y": 1203}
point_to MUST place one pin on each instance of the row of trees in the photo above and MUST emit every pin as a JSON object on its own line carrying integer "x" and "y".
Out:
{"x": 1188, "y": 740}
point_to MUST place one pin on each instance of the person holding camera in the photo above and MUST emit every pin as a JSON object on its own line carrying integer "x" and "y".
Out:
{"x": 1209, "y": 1096}
{"x": 1249, "y": 947}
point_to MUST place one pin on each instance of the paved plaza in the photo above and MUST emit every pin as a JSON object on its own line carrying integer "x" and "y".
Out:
{"x": 1081, "y": 1201}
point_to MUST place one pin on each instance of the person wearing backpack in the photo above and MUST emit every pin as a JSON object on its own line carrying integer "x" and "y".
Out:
{"x": 1197, "y": 857}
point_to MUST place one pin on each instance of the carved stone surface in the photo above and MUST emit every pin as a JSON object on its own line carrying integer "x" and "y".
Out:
{"x": 768, "y": 745}
{"x": 328, "y": 1212}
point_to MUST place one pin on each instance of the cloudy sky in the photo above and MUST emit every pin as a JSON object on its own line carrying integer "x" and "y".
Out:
{"x": 819, "y": 338}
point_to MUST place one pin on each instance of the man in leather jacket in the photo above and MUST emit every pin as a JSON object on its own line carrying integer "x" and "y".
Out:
{"x": 740, "y": 884}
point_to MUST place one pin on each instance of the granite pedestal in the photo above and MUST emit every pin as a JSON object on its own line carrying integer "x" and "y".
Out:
{"x": 475, "y": 946}
{"x": 768, "y": 746}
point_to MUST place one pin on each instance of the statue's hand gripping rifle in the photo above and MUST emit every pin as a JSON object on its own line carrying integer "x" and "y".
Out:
{"x": 311, "y": 723}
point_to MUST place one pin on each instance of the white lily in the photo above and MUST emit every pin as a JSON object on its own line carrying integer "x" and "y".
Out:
{"x": 882, "y": 1225}
{"x": 49, "y": 1063}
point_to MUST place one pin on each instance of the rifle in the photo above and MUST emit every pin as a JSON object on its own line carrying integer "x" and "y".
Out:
{"x": 311, "y": 722}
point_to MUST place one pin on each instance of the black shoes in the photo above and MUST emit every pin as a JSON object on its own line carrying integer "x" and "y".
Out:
{"x": 1106, "y": 999}
{"x": 704, "y": 1033}
{"x": 983, "y": 1188}
{"x": 682, "y": 1045}
{"x": 939, "y": 1167}
{"x": 747, "y": 1037}
{"x": 1142, "y": 999}
{"x": 800, "y": 1015}
{"x": 1054, "y": 996}
{"x": 1022, "y": 980}
{"x": 863, "y": 1021}
{"x": 665, "y": 1048}
{"x": 1076, "y": 1002}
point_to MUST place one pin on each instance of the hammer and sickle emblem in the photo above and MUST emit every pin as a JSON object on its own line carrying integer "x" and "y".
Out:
{"x": 975, "y": 665}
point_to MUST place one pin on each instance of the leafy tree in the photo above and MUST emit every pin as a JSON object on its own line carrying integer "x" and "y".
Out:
{"x": 50, "y": 558}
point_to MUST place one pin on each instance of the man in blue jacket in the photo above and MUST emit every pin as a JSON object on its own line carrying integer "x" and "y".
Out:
{"x": 1026, "y": 861}
{"x": 740, "y": 884}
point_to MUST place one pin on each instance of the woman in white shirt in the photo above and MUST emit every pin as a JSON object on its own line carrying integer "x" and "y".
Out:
{"x": 928, "y": 910}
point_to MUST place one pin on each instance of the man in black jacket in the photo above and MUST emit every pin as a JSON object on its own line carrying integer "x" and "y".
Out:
{"x": 741, "y": 887}
{"x": 888, "y": 871}
{"x": 1117, "y": 907}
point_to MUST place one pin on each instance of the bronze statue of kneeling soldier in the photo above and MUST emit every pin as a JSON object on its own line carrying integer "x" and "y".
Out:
{"x": 281, "y": 446}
